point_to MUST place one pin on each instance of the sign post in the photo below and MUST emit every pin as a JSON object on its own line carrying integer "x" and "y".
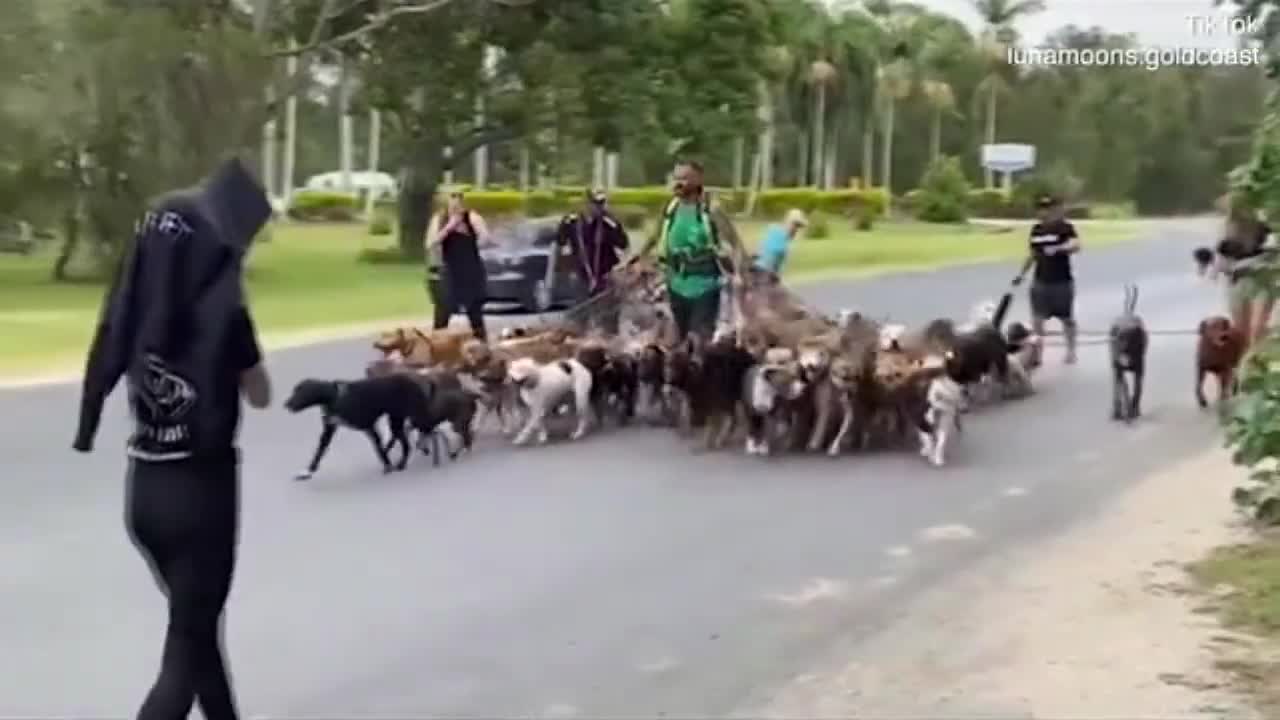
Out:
{"x": 1007, "y": 159}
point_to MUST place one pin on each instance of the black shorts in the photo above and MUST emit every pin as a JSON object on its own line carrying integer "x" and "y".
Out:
{"x": 696, "y": 315}
{"x": 1053, "y": 300}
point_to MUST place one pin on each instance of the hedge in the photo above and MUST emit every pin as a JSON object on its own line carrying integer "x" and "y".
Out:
{"x": 634, "y": 202}
{"x": 324, "y": 206}
{"x": 996, "y": 204}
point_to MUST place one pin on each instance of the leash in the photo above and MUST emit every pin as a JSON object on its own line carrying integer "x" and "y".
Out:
{"x": 1086, "y": 338}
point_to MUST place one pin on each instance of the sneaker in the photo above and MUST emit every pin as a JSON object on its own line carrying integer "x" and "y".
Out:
{"x": 1070, "y": 359}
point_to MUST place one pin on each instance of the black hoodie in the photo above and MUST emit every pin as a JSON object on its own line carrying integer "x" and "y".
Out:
{"x": 175, "y": 323}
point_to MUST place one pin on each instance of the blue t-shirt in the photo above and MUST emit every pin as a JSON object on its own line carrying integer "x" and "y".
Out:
{"x": 773, "y": 251}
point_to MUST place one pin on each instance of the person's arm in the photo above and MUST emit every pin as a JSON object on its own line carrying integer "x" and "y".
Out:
{"x": 620, "y": 239}
{"x": 483, "y": 238}
{"x": 1073, "y": 244}
{"x": 434, "y": 231}
{"x": 729, "y": 234}
{"x": 255, "y": 383}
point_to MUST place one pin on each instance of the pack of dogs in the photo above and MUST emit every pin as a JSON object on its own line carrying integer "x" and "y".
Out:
{"x": 789, "y": 381}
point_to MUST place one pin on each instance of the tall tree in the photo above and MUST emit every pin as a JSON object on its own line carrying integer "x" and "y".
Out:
{"x": 999, "y": 17}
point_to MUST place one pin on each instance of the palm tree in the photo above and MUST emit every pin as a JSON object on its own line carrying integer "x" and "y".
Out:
{"x": 941, "y": 100}
{"x": 894, "y": 85}
{"x": 998, "y": 17}
{"x": 822, "y": 74}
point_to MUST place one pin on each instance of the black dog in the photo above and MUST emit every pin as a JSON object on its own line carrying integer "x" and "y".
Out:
{"x": 1128, "y": 347}
{"x": 977, "y": 353}
{"x": 359, "y": 405}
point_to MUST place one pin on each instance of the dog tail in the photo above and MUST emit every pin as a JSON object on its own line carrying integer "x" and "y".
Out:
{"x": 1130, "y": 298}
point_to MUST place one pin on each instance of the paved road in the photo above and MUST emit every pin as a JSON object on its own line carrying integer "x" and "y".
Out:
{"x": 621, "y": 576}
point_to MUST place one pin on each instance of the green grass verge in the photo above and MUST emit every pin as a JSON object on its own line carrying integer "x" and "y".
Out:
{"x": 1244, "y": 584}
{"x": 306, "y": 277}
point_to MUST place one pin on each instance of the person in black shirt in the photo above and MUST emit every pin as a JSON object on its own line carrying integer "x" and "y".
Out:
{"x": 597, "y": 241}
{"x": 175, "y": 325}
{"x": 453, "y": 245}
{"x": 1052, "y": 243}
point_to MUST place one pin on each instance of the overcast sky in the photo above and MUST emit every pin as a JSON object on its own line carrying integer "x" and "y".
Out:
{"x": 1155, "y": 22}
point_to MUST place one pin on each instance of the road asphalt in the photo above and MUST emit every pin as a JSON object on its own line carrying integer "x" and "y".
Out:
{"x": 624, "y": 575}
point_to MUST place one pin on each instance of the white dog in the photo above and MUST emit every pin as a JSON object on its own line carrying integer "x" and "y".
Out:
{"x": 944, "y": 398}
{"x": 543, "y": 388}
{"x": 891, "y": 336}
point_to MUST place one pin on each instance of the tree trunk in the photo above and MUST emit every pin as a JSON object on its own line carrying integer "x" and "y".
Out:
{"x": 829, "y": 162}
{"x": 991, "y": 132}
{"x": 819, "y": 145}
{"x": 935, "y": 136}
{"x": 524, "y": 168}
{"x": 764, "y": 114}
{"x": 346, "y": 135}
{"x": 269, "y": 180}
{"x": 886, "y": 158}
{"x": 739, "y": 161}
{"x": 375, "y": 150}
{"x": 417, "y": 195}
{"x": 290, "y": 136}
{"x": 757, "y": 178}
{"x": 611, "y": 161}
{"x": 480, "y": 178}
{"x": 597, "y": 166}
{"x": 868, "y": 153}
{"x": 802, "y": 179}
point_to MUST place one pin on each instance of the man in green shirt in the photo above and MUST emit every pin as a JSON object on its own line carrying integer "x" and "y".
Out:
{"x": 691, "y": 233}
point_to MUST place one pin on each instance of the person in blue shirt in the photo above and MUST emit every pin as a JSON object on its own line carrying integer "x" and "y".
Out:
{"x": 777, "y": 241}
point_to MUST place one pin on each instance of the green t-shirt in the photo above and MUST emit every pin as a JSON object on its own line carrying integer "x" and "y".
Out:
{"x": 689, "y": 235}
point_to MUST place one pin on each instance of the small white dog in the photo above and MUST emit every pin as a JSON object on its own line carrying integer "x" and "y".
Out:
{"x": 543, "y": 388}
{"x": 891, "y": 336}
{"x": 944, "y": 398}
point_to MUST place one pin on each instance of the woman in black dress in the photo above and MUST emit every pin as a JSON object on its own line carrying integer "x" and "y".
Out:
{"x": 456, "y": 234}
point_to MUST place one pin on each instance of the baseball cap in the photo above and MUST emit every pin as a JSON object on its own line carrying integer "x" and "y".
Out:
{"x": 796, "y": 217}
{"x": 1046, "y": 201}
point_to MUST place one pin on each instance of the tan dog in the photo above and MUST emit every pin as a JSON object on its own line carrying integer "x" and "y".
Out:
{"x": 441, "y": 348}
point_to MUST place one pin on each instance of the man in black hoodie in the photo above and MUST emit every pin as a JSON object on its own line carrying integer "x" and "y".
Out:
{"x": 175, "y": 325}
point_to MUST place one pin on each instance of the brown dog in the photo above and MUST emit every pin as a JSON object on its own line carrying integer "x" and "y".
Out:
{"x": 1218, "y": 353}
{"x": 438, "y": 348}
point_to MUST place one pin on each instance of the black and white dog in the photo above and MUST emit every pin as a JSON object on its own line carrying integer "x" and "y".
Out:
{"x": 1128, "y": 349}
{"x": 359, "y": 405}
{"x": 944, "y": 400}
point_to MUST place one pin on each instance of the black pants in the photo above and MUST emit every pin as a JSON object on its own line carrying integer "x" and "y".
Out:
{"x": 444, "y": 307}
{"x": 183, "y": 517}
{"x": 697, "y": 314}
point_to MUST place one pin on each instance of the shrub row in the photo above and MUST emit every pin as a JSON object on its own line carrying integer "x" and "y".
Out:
{"x": 633, "y": 205}
{"x": 996, "y": 204}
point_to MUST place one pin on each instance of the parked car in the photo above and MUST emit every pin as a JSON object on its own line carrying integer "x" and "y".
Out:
{"x": 518, "y": 267}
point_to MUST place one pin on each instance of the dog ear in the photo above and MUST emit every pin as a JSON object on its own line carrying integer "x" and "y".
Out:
{"x": 1204, "y": 327}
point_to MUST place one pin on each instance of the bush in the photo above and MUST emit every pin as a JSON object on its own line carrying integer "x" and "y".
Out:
{"x": 634, "y": 217}
{"x": 380, "y": 225}
{"x": 944, "y": 192}
{"x": 324, "y": 206}
{"x": 776, "y": 202}
{"x": 993, "y": 203}
{"x": 544, "y": 204}
{"x": 865, "y": 220}
{"x": 495, "y": 203}
{"x": 819, "y": 228}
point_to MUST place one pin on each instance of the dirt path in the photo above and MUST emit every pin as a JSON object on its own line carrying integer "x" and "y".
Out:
{"x": 1094, "y": 623}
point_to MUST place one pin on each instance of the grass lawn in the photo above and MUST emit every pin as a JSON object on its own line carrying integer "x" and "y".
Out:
{"x": 1244, "y": 584}
{"x": 307, "y": 278}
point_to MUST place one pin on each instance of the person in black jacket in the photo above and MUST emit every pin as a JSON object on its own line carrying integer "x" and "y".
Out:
{"x": 175, "y": 325}
{"x": 597, "y": 241}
